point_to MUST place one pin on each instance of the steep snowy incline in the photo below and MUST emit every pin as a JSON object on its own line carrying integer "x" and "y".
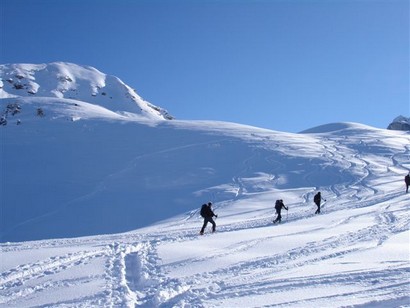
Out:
{"x": 80, "y": 169}
{"x": 350, "y": 255}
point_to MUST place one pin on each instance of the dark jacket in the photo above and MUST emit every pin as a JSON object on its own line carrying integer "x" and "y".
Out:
{"x": 407, "y": 179}
{"x": 279, "y": 205}
{"x": 208, "y": 212}
{"x": 317, "y": 198}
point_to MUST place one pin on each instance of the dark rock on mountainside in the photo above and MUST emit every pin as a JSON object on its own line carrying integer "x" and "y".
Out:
{"x": 400, "y": 123}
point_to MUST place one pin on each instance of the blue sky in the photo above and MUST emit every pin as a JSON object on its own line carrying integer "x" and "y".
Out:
{"x": 282, "y": 65}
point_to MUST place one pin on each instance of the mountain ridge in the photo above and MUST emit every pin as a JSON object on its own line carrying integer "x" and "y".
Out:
{"x": 71, "y": 81}
{"x": 400, "y": 123}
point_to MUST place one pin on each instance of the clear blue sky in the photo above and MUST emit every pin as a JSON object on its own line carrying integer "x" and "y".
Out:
{"x": 282, "y": 65}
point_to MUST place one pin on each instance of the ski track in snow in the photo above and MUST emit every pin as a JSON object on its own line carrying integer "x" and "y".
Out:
{"x": 134, "y": 276}
{"x": 333, "y": 247}
{"x": 17, "y": 283}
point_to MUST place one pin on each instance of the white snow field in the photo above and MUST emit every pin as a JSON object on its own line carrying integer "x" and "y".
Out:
{"x": 100, "y": 204}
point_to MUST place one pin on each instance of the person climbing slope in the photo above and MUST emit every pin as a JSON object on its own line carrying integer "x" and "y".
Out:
{"x": 407, "y": 181}
{"x": 278, "y": 207}
{"x": 318, "y": 199}
{"x": 207, "y": 214}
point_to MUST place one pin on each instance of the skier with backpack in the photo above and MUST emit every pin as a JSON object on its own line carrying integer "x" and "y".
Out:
{"x": 278, "y": 207}
{"x": 407, "y": 181}
{"x": 207, "y": 214}
{"x": 317, "y": 199}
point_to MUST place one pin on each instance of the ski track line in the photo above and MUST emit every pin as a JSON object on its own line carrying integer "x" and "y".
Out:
{"x": 379, "y": 232}
{"x": 311, "y": 253}
{"x": 266, "y": 283}
{"x": 241, "y": 246}
{"x": 238, "y": 180}
{"x": 18, "y": 275}
{"x": 15, "y": 296}
{"x": 332, "y": 247}
{"x": 264, "y": 222}
{"x": 101, "y": 186}
{"x": 379, "y": 284}
{"x": 12, "y": 281}
{"x": 372, "y": 285}
{"x": 359, "y": 163}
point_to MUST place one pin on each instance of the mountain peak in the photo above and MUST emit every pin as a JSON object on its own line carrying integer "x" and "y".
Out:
{"x": 400, "y": 123}
{"x": 64, "y": 80}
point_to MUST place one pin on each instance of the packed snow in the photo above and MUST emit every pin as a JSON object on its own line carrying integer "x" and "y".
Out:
{"x": 100, "y": 206}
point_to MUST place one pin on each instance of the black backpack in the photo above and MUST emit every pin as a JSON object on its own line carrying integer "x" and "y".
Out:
{"x": 203, "y": 210}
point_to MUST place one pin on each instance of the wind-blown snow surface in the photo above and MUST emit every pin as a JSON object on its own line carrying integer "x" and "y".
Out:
{"x": 84, "y": 170}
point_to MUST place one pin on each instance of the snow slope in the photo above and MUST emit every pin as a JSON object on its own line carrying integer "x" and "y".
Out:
{"x": 100, "y": 209}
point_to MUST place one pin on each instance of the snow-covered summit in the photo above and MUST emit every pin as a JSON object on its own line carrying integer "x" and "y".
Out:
{"x": 400, "y": 123}
{"x": 334, "y": 127}
{"x": 60, "y": 80}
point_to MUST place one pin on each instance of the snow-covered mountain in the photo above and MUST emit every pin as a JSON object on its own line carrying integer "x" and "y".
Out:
{"x": 78, "y": 172}
{"x": 400, "y": 123}
{"x": 68, "y": 81}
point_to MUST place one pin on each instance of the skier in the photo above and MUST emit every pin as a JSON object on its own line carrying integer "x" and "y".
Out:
{"x": 278, "y": 207}
{"x": 208, "y": 214}
{"x": 407, "y": 181}
{"x": 317, "y": 199}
